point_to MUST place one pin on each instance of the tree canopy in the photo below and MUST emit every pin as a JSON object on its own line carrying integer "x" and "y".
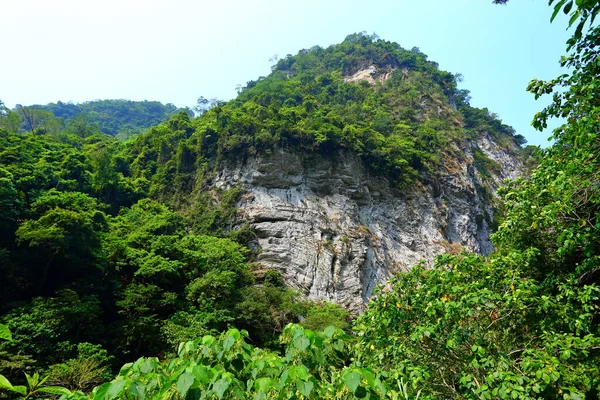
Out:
{"x": 120, "y": 118}
{"x": 134, "y": 275}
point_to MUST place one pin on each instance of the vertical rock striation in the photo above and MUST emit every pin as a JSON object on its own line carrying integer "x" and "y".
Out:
{"x": 335, "y": 231}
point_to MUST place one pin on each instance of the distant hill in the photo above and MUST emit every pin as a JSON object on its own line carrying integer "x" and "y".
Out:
{"x": 121, "y": 118}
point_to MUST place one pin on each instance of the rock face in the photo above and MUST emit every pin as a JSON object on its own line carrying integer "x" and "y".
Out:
{"x": 335, "y": 231}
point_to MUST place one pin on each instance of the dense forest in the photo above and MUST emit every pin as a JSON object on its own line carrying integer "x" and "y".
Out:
{"x": 125, "y": 276}
{"x": 120, "y": 118}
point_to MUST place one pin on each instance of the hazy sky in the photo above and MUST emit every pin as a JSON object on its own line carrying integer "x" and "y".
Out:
{"x": 174, "y": 51}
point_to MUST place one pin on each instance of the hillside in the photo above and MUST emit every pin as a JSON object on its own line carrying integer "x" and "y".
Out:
{"x": 120, "y": 118}
{"x": 351, "y": 163}
{"x": 212, "y": 242}
{"x": 401, "y": 125}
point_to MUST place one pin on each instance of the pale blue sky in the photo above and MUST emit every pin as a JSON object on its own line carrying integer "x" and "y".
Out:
{"x": 177, "y": 50}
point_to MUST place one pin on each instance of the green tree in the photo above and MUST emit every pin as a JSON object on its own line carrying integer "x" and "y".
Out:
{"x": 10, "y": 206}
{"x": 64, "y": 232}
{"x": 9, "y": 119}
{"x": 38, "y": 121}
{"x": 522, "y": 323}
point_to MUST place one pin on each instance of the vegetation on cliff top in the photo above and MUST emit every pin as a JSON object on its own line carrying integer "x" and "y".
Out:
{"x": 95, "y": 273}
{"x": 401, "y": 121}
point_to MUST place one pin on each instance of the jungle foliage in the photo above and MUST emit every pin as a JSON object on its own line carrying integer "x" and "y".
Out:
{"x": 98, "y": 269}
{"x": 120, "y": 118}
{"x": 402, "y": 121}
{"x": 96, "y": 273}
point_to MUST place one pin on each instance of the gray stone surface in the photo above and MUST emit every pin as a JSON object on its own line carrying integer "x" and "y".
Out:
{"x": 335, "y": 231}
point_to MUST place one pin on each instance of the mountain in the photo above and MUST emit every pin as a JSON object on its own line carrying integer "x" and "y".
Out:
{"x": 350, "y": 164}
{"x": 341, "y": 168}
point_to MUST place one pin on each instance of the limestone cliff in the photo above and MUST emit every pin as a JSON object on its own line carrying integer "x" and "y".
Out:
{"x": 335, "y": 231}
{"x": 356, "y": 161}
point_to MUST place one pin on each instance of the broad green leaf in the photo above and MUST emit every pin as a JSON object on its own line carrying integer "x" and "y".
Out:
{"x": 5, "y": 383}
{"x": 201, "y": 374}
{"x": 115, "y": 389}
{"x": 260, "y": 396}
{"x": 302, "y": 372}
{"x": 305, "y": 387}
{"x": 284, "y": 377}
{"x": 55, "y": 390}
{"x": 380, "y": 386}
{"x": 220, "y": 387}
{"x": 185, "y": 381}
{"x": 301, "y": 343}
{"x": 208, "y": 340}
{"x": 228, "y": 342}
{"x": 100, "y": 392}
{"x": 138, "y": 391}
{"x": 352, "y": 380}
{"x": 20, "y": 389}
{"x": 147, "y": 366}
{"x": 125, "y": 368}
{"x": 234, "y": 333}
{"x": 329, "y": 331}
{"x": 263, "y": 384}
{"x": 368, "y": 376}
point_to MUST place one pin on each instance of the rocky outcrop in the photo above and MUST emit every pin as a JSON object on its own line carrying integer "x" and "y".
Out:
{"x": 371, "y": 74}
{"x": 335, "y": 231}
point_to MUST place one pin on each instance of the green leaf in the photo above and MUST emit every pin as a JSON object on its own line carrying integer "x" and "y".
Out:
{"x": 568, "y": 7}
{"x": 301, "y": 343}
{"x": 260, "y": 396}
{"x": 147, "y": 366}
{"x": 302, "y": 372}
{"x": 100, "y": 391}
{"x": 55, "y": 390}
{"x": 329, "y": 331}
{"x": 115, "y": 389}
{"x": 263, "y": 384}
{"x": 234, "y": 333}
{"x": 32, "y": 380}
{"x": 125, "y": 368}
{"x": 185, "y": 381}
{"x": 138, "y": 391}
{"x": 4, "y": 383}
{"x": 380, "y": 386}
{"x": 305, "y": 387}
{"x": 579, "y": 28}
{"x": 20, "y": 389}
{"x": 352, "y": 380}
{"x": 573, "y": 19}
{"x": 5, "y": 333}
{"x": 228, "y": 342}
{"x": 220, "y": 387}
{"x": 557, "y": 8}
{"x": 201, "y": 374}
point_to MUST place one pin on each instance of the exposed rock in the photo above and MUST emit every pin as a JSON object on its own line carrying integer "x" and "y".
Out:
{"x": 370, "y": 74}
{"x": 335, "y": 231}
